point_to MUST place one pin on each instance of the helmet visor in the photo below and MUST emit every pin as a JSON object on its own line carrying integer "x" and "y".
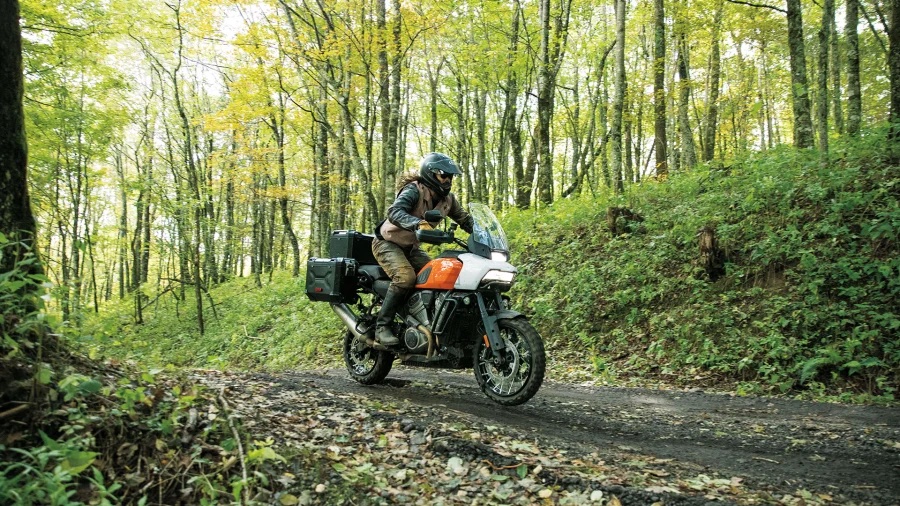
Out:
{"x": 442, "y": 175}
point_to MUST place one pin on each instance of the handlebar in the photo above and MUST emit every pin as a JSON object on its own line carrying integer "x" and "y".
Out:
{"x": 435, "y": 236}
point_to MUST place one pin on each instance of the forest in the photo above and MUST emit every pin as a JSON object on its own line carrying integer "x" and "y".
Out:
{"x": 173, "y": 146}
{"x": 185, "y": 158}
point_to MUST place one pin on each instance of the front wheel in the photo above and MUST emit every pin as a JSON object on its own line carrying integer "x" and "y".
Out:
{"x": 521, "y": 377}
{"x": 366, "y": 365}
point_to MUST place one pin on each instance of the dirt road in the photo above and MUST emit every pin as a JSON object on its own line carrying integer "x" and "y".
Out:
{"x": 635, "y": 445}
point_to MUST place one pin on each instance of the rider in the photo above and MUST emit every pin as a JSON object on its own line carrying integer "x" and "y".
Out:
{"x": 396, "y": 247}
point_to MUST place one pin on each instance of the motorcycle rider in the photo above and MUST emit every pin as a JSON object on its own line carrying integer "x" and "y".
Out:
{"x": 396, "y": 247}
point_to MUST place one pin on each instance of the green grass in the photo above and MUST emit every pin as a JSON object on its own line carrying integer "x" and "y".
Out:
{"x": 270, "y": 328}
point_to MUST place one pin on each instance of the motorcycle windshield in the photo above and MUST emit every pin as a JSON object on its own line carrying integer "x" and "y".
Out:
{"x": 487, "y": 230}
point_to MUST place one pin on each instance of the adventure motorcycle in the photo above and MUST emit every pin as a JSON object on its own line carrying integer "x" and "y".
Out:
{"x": 456, "y": 317}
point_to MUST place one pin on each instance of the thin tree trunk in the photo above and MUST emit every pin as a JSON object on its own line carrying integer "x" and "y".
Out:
{"x": 526, "y": 184}
{"x": 824, "y": 48}
{"x": 618, "y": 106}
{"x": 481, "y": 169}
{"x": 546, "y": 92}
{"x": 836, "y": 98}
{"x": 688, "y": 152}
{"x": 510, "y": 124}
{"x": 323, "y": 208}
{"x": 803, "y": 130}
{"x": 277, "y": 126}
{"x": 122, "y": 261}
{"x": 393, "y": 161}
{"x": 854, "y": 91}
{"x": 712, "y": 106}
{"x": 659, "y": 88}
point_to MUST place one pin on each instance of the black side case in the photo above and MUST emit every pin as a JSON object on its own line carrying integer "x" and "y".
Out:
{"x": 331, "y": 280}
{"x": 352, "y": 244}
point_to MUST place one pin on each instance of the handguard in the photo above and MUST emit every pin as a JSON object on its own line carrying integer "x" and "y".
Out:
{"x": 434, "y": 236}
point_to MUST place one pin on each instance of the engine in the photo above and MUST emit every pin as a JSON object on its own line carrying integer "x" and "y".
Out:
{"x": 418, "y": 310}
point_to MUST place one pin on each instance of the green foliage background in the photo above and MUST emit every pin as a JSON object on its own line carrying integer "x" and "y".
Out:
{"x": 808, "y": 303}
{"x": 812, "y": 286}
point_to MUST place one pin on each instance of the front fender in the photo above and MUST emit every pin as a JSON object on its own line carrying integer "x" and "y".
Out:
{"x": 507, "y": 314}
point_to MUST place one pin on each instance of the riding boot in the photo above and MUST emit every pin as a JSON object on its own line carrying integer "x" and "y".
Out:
{"x": 392, "y": 301}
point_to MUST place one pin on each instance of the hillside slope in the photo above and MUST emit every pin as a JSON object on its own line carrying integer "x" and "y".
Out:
{"x": 777, "y": 273}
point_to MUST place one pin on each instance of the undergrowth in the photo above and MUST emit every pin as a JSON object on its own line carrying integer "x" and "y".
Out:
{"x": 274, "y": 327}
{"x": 78, "y": 431}
{"x": 808, "y": 301}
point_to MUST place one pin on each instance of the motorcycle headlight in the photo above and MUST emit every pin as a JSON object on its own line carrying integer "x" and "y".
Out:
{"x": 498, "y": 279}
{"x": 500, "y": 256}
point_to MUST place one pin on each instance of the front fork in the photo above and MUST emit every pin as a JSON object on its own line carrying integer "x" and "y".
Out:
{"x": 492, "y": 330}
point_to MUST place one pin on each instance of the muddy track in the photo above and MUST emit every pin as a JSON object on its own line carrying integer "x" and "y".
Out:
{"x": 840, "y": 453}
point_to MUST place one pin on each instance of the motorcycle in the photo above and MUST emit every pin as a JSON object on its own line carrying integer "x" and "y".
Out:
{"x": 457, "y": 317}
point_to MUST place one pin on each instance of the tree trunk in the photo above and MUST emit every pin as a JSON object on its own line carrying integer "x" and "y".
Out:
{"x": 526, "y": 184}
{"x": 712, "y": 106}
{"x": 659, "y": 88}
{"x": 546, "y": 91}
{"x": 836, "y": 98}
{"x": 688, "y": 152}
{"x": 433, "y": 81}
{"x": 277, "y": 126}
{"x": 553, "y": 44}
{"x": 894, "y": 64}
{"x": 618, "y": 105}
{"x": 803, "y": 131}
{"x": 122, "y": 259}
{"x": 510, "y": 123}
{"x": 767, "y": 98}
{"x": 824, "y": 48}
{"x": 16, "y": 220}
{"x": 323, "y": 209}
{"x": 229, "y": 257}
{"x": 384, "y": 101}
{"x": 394, "y": 161}
{"x": 481, "y": 168}
{"x": 854, "y": 91}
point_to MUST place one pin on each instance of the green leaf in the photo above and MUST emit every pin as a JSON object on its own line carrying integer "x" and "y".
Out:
{"x": 289, "y": 500}
{"x": 522, "y": 471}
{"x": 75, "y": 462}
{"x": 44, "y": 376}
{"x": 51, "y": 443}
{"x": 90, "y": 386}
{"x": 264, "y": 454}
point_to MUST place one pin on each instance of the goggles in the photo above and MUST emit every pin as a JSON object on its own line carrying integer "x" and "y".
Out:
{"x": 442, "y": 174}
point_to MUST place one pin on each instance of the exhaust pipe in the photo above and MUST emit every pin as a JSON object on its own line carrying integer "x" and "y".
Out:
{"x": 349, "y": 318}
{"x": 352, "y": 323}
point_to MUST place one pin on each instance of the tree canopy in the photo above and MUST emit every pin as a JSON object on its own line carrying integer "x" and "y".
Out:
{"x": 177, "y": 144}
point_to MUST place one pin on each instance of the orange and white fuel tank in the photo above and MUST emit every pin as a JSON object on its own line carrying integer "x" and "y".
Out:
{"x": 439, "y": 274}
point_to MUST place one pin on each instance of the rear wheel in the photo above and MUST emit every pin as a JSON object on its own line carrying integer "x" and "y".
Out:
{"x": 366, "y": 365}
{"x": 521, "y": 377}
